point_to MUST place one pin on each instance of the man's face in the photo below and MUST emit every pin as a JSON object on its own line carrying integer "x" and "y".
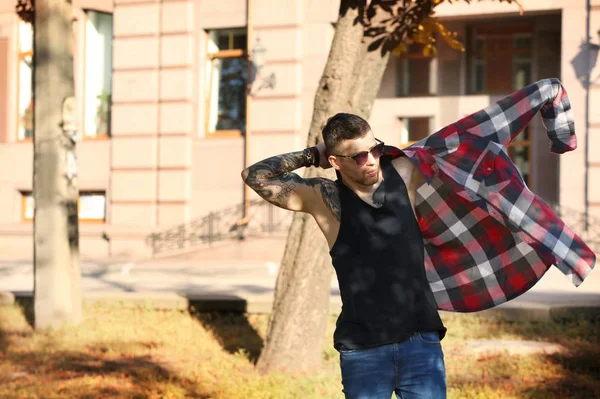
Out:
{"x": 366, "y": 174}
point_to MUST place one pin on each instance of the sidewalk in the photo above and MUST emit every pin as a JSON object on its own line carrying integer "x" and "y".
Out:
{"x": 241, "y": 276}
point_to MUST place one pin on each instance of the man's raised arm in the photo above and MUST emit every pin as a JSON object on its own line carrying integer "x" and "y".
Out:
{"x": 274, "y": 180}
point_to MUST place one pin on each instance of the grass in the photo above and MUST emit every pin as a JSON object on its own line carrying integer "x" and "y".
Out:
{"x": 145, "y": 353}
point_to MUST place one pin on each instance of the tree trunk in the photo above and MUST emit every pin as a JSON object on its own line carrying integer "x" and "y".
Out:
{"x": 57, "y": 291}
{"x": 296, "y": 331}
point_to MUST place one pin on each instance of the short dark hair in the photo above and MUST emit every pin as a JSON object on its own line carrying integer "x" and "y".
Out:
{"x": 341, "y": 127}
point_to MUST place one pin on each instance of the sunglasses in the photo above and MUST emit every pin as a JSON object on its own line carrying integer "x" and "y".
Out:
{"x": 362, "y": 157}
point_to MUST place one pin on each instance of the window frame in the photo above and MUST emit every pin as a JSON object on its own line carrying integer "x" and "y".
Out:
{"x": 20, "y": 56}
{"x": 99, "y": 136}
{"x": 26, "y": 193}
{"x": 210, "y": 58}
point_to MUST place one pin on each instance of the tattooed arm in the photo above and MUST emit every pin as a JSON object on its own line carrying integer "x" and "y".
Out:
{"x": 274, "y": 180}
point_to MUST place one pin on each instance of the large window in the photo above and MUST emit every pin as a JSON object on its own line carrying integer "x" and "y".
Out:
{"x": 500, "y": 58}
{"x": 98, "y": 74}
{"x": 226, "y": 76}
{"x": 91, "y": 206}
{"x": 25, "y": 82}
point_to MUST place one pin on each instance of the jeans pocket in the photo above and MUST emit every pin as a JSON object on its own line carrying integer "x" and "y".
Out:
{"x": 430, "y": 337}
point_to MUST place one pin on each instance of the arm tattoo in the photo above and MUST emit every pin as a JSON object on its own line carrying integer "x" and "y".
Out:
{"x": 331, "y": 196}
{"x": 276, "y": 171}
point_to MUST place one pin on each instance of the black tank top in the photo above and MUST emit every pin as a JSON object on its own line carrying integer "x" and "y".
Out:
{"x": 379, "y": 261}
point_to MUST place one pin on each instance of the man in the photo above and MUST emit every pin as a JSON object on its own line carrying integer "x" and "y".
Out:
{"x": 446, "y": 223}
{"x": 368, "y": 219}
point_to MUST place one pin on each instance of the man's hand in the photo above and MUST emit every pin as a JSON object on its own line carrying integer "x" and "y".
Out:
{"x": 323, "y": 156}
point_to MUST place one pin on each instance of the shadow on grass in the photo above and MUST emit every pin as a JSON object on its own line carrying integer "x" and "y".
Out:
{"x": 581, "y": 377}
{"x": 99, "y": 370}
{"x": 576, "y": 376}
{"x": 24, "y": 300}
{"x": 94, "y": 375}
{"x": 233, "y": 331}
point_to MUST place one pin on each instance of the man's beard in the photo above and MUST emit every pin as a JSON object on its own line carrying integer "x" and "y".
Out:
{"x": 366, "y": 180}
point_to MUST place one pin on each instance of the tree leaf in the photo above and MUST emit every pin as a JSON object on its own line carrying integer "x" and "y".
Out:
{"x": 375, "y": 44}
{"x": 371, "y": 12}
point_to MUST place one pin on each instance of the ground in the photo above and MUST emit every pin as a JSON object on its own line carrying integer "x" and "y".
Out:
{"x": 141, "y": 352}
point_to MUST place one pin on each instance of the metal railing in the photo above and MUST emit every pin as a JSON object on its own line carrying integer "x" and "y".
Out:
{"x": 263, "y": 218}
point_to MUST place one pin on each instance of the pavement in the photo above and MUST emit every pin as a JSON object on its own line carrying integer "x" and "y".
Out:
{"x": 241, "y": 275}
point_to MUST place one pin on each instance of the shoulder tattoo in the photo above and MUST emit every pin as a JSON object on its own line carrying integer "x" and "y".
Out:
{"x": 329, "y": 194}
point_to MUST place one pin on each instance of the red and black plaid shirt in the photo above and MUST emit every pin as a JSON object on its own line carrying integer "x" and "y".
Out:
{"x": 488, "y": 238}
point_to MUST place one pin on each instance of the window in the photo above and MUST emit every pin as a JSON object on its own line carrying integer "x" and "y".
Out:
{"x": 226, "y": 76}
{"x": 414, "y": 129}
{"x": 27, "y": 205}
{"x": 98, "y": 74}
{"x": 500, "y": 58}
{"x": 91, "y": 206}
{"x": 416, "y": 73}
{"x": 25, "y": 81}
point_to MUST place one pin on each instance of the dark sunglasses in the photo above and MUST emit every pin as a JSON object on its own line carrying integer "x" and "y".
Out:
{"x": 362, "y": 157}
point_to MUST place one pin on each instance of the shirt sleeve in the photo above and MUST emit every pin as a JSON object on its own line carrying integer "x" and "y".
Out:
{"x": 504, "y": 120}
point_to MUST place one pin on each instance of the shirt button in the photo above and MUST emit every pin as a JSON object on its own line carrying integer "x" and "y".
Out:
{"x": 489, "y": 169}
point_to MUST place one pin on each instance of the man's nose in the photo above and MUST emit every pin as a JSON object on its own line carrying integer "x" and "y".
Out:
{"x": 371, "y": 159}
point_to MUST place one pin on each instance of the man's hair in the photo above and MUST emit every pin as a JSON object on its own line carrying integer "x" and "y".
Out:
{"x": 341, "y": 127}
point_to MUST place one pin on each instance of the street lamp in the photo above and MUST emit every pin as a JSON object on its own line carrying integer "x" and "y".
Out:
{"x": 258, "y": 56}
{"x": 258, "y": 62}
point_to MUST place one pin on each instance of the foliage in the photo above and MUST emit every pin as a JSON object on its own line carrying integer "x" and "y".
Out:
{"x": 25, "y": 10}
{"x": 395, "y": 24}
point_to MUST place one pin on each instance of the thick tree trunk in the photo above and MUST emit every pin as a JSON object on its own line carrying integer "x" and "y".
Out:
{"x": 57, "y": 291}
{"x": 296, "y": 332}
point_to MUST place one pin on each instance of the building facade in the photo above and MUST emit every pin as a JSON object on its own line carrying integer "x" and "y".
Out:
{"x": 163, "y": 111}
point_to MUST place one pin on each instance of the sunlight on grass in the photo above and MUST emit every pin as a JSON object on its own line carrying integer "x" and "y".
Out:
{"x": 140, "y": 352}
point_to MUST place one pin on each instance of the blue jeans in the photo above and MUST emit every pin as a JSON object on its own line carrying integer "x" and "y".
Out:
{"x": 412, "y": 369}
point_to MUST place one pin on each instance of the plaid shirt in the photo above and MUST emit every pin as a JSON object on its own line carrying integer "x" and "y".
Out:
{"x": 488, "y": 238}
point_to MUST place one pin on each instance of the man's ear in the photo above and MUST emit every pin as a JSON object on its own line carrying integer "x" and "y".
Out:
{"x": 334, "y": 162}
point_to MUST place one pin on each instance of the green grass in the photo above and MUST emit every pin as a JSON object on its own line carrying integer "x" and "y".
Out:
{"x": 144, "y": 353}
